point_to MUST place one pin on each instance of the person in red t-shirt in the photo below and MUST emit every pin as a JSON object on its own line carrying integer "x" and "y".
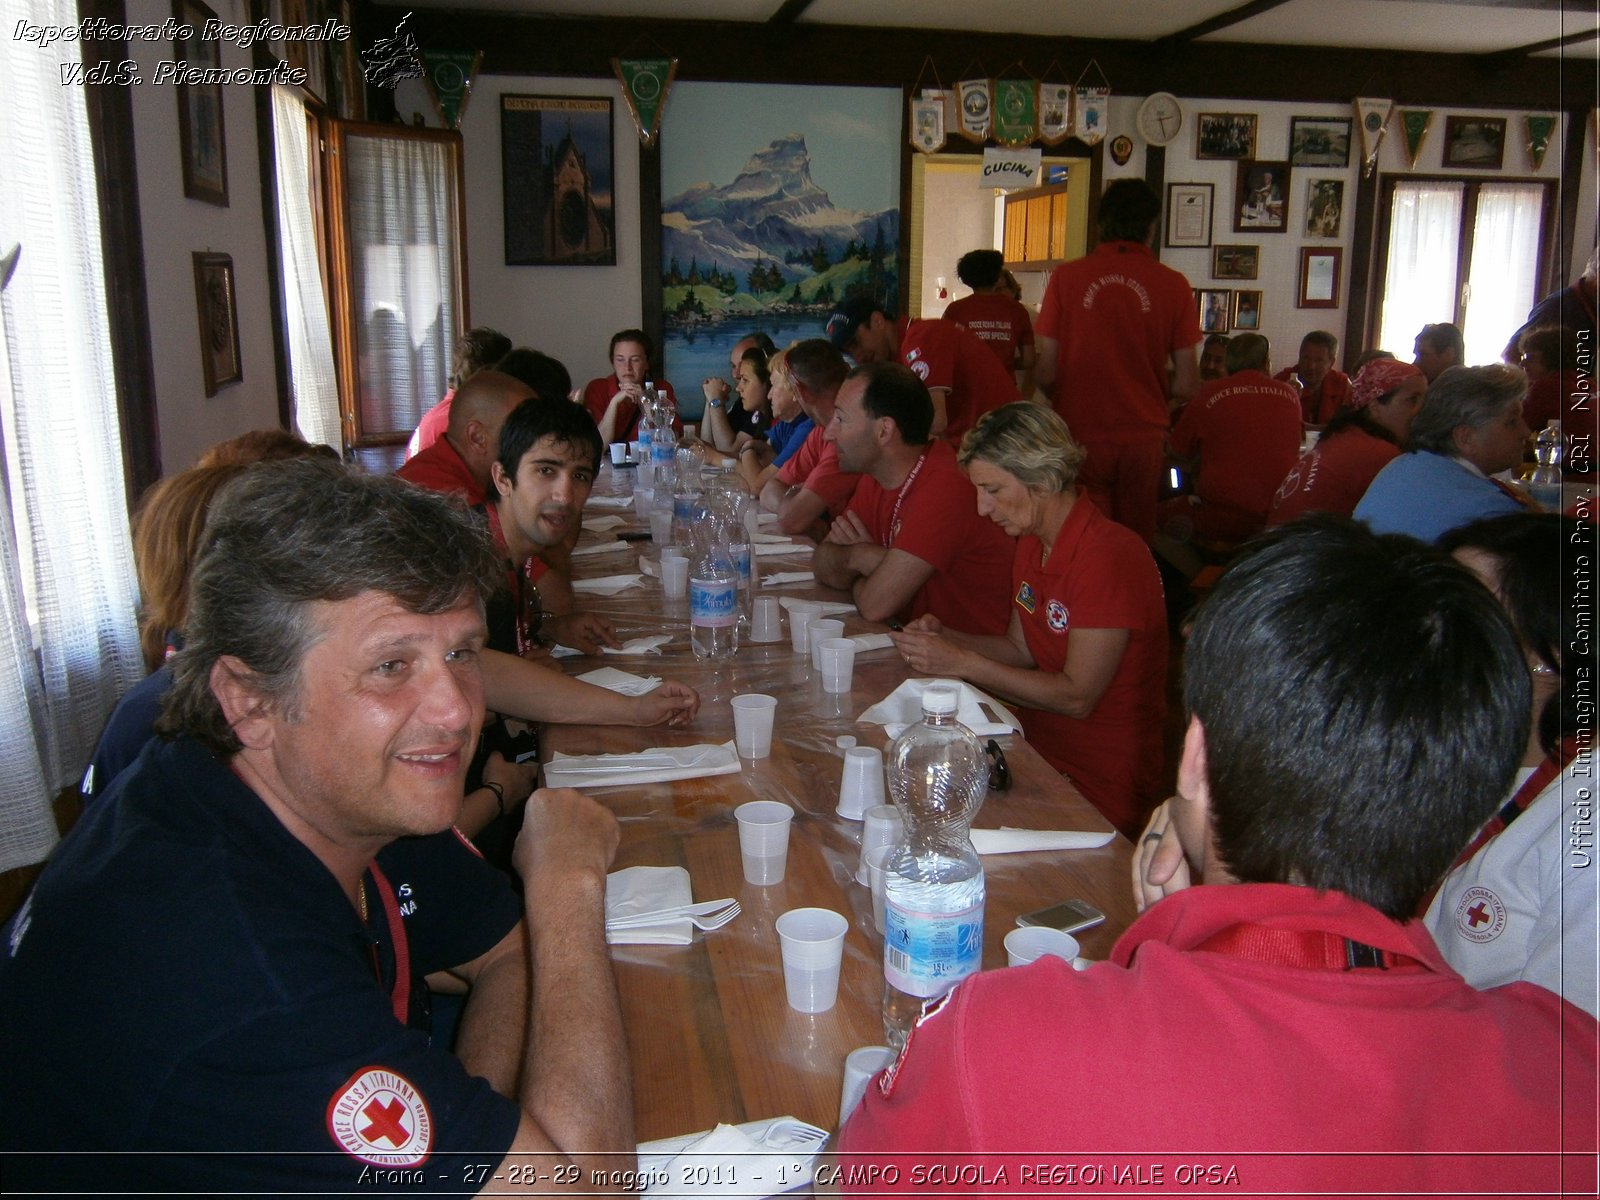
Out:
{"x": 1355, "y": 445}
{"x": 961, "y": 375}
{"x": 613, "y": 400}
{"x": 1117, "y": 335}
{"x": 911, "y": 540}
{"x": 1323, "y": 388}
{"x": 459, "y": 461}
{"x": 1242, "y": 436}
{"x": 811, "y": 488}
{"x": 476, "y": 349}
{"x": 994, "y": 315}
{"x": 1557, "y": 392}
{"x": 1086, "y": 649}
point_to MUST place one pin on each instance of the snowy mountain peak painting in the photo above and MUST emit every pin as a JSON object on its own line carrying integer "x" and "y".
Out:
{"x": 780, "y": 201}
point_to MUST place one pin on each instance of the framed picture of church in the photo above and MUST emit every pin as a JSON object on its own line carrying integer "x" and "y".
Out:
{"x": 557, "y": 167}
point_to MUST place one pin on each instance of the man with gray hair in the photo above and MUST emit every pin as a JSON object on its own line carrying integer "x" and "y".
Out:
{"x": 223, "y": 945}
{"x": 1240, "y": 435}
{"x": 1469, "y": 429}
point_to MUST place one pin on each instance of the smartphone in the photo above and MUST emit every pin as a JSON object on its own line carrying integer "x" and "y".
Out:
{"x": 634, "y": 535}
{"x": 1070, "y": 916}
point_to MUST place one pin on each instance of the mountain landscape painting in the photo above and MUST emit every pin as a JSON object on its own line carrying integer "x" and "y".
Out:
{"x": 778, "y": 201}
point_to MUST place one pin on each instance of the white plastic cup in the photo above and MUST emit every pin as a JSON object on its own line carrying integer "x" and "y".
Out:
{"x": 876, "y": 859}
{"x": 800, "y": 617}
{"x": 752, "y": 724}
{"x": 619, "y": 453}
{"x": 812, "y": 942}
{"x": 634, "y": 451}
{"x": 661, "y": 526}
{"x": 764, "y": 839}
{"x": 644, "y": 501}
{"x": 859, "y": 1068}
{"x": 766, "y": 623}
{"x": 838, "y": 664}
{"x": 1032, "y": 942}
{"x": 819, "y": 631}
{"x": 674, "y": 576}
{"x": 881, "y": 825}
{"x": 861, "y": 786}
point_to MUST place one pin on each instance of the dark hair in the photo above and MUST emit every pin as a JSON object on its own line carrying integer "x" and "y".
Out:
{"x": 1359, "y": 418}
{"x": 285, "y": 535}
{"x": 1556, "y": 346}
{"x": 1217, "y": 339}
{"x": 1366, "y": 357}
{"x": 633, "y": 335}
{"x": 980, "y": 268}
{"x": 1321, "y": 337}
{"x": 535, "y": 418}
{"x": 762, "y": 342}
{"x": 1365, "y": 705}
{"x": 1128, "y": 208}
{"x": 548, "y": 377}
{"x": 758, "y": 359}
{"x": 1246, "y": 352}
{"x": 816, "y": 366}
{"x": 475, "y": 350}
{"x": 1544, "y": 561}
{"x": 894, "y": 391}
{"x": 1445, "y": 336}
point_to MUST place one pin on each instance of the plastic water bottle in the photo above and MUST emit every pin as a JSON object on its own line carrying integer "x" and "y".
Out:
{"x": 647, "y": 436}
{"x": 1548, "y": 450}
{"x": 933, "y": 882}
{"x": 713, "y": 593}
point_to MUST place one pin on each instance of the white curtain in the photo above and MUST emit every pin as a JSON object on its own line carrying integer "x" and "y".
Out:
{"x": 312, "y": 378}
{"x": 1505, "y": 257}
{"x": 68, "y": 594}
{"x": 1419, "y": 286}
{"x": 402, "y": 223}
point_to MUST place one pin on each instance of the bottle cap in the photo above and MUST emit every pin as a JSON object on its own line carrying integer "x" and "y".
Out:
{"x": 844, "y": 741}
{"x": 941, "y": 697}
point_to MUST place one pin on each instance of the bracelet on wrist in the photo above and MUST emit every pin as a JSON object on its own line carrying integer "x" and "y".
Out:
{"x": 499, "y": 796}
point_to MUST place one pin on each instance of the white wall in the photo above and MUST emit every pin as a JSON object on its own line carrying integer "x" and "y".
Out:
{"x": 175, "y": 227}
{"x": 568, "y": 312}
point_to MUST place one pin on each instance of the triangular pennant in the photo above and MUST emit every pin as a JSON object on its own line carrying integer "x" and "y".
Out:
{"x": 927, "y": 120}
{"x": 1415, "y": 123}
{"x": 1539, "y": 131}
{"x": 645, "y": 84}
{"x": 1016, "y": 107}
{"x": 1372, "y": 114}
{"x": 1055, "y": 113}
{"x": 976, "y": 109}
{"x": 449, "y": 76}
{"x": 1091, "y": 105}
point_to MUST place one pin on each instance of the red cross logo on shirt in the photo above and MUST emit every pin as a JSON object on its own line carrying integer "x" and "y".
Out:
{"x": 386, "y": 1122}
{"x": 1480, "y": 915}
{"x": 1477, "y": 914}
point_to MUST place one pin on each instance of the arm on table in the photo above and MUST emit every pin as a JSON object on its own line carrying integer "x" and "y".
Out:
{"x": 799, "y": 509}
{"x": 555, "y": 1040}
{"x": 715, "y": 428}
{"x": 484, "y": 804}
{"x": 533, "y": 691}
{"x": 883, "y": 582}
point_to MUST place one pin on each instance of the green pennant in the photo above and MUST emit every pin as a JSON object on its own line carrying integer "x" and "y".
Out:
{"x": 645, "y": 84}
{"x": 1414, "y": 122}
{"x": 449, "y": 75}
{"x": 1539, "y": 131}
{"x": 1016, "y": 111}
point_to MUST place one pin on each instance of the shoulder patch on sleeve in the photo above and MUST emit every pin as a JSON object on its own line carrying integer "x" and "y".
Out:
{"x": 379, "y": 1117}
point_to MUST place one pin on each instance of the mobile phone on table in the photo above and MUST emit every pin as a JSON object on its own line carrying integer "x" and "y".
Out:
{"x": 1070, "y": 916}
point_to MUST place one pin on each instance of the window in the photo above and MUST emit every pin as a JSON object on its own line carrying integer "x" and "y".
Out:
{"x": 1443, "y": 236}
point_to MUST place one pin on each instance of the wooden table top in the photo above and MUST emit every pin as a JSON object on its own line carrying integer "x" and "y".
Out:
{"x": 711, "y": 1036}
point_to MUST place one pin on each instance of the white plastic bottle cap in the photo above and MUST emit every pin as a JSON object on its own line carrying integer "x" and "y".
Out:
{"x": 844, "y": 741}
{"x": 941, "y": 697}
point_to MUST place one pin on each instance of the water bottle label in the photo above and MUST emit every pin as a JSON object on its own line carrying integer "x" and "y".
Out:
{"x": 741, "y": 562}
{"x": 683, "y": 506}
{"x": 663, "y": 451}
{"x": 927, "y": 954}
{"x": 713, "y": 603}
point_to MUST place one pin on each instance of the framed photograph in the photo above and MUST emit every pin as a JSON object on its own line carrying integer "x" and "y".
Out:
{"x": 557, "y": 168}
{"x": 1261, "y": 197}
{"x": 219, "y": 321}
{"x": 1214, "y": 309}
{"x": 1319, "y": 276}
{"x": 1319, "y": 141}
{"x": 1189, "y": 214}
{"x": 1235, "y": 262}
{"x": 1477, "y": 142}
{"x": 1324, "y": 207}
{"x": 1246, "y": 310}
{"x": 1225, "y": 135}
{"x": 201, "y": 138}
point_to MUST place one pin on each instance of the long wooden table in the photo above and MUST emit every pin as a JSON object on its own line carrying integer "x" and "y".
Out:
{"x": 710, "y": 1033}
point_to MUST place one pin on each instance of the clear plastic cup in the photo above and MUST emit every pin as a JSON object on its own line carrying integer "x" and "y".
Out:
{"x": 861, "y": 785}
{"x": 880, "y": 826}
{"x": 1033, "y": 942}
{"x": 838, "y": 662}
{"x": 859, "y": 1068}
{"x": 752, "y": 724}
{"x": 820, "y": 630}
{"x": 674, "y": 576}
{"x": 812, "y": 942}
{"x": 764, "y": 840}
{"x": 766, "y": 622}
{"x": 800, "y": 617}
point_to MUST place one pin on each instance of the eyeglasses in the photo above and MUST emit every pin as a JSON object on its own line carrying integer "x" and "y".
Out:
{"x": 999, "y": 772}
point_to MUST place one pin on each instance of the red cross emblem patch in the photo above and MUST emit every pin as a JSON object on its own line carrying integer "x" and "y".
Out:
{"x": 1480, "y": 915}
{"x": 380, "y": 1118}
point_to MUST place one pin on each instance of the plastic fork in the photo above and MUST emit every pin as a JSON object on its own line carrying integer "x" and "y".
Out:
{"x": 709, "y": 914}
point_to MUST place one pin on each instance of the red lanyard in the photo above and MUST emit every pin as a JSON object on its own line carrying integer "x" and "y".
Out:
{"x": 1310, "y": 949}
{"x": 1513, "y": 808}
{"x": 400, "y": 990}
{"x": 894, "y": 517}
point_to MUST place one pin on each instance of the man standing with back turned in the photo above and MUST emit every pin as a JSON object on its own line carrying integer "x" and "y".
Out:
{"x": 1287, "y": 1025}
{"x": 1110, "y": 325}
{"x": 211, "y": 984}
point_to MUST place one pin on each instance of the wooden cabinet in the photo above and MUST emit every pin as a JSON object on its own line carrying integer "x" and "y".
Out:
{"x": 1039, "y": 231}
